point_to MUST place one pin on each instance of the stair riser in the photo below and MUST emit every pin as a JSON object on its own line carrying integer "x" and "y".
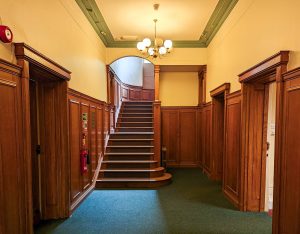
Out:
{"x": 137, "y": 115}
{"x": 128, "y": 165}
{"x": 127, "y": 150}
{"x": 134, "y": 129}
{"x": 137, "y": 103}
{"x": 136, "y": 110}
{"x": 131, "y": 174}
{"x": 100, "y": 185}
{"x": 137, "y": 107}
{"x": 130, "y": 143}
{"x": 131, "y": 136}
{"x": 121, "y": 124}
{"x": 127, "y": 157}
{"x": 135, "y": 119}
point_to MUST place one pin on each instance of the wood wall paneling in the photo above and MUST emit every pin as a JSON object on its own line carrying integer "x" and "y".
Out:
{"x": 179, "y": 135}
{"x": 12, "y": 184}
{"x": 232, "y": 148}
{"x": 288, "y": 217}
{"x": 206, "y": 138}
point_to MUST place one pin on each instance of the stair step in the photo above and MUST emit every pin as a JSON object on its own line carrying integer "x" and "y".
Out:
{"x": 121, "y": 164}
{"x": 136, "y": 110}
{"x": 132, "y": 173}
{"x": 135, "y": 119}
{"x": 134, "y": 129}
{"x": 134, "y": 182}
{"x": 128, "y": 156}
{"x": 137, "y": 106}
{"x": 135, "y": 124}
{"x": 129, "y": 148}
{"x": 129, "y": 142}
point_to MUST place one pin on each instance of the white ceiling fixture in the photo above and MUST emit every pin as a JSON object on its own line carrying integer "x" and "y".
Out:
{"x": 156, "y": 48}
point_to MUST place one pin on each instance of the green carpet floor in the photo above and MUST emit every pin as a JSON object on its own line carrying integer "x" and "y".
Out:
{"x": 191, "y": 204}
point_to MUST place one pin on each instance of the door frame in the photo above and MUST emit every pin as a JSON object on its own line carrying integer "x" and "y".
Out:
{"x": 253, "y": 94}
{"x": 222, "y": 90}
{"x": 27, "y": 57}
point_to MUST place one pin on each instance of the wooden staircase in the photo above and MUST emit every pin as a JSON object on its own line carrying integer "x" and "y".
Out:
{"x": 129, "y": 158}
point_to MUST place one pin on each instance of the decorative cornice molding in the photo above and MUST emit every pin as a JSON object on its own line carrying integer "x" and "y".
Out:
{"x": 96, "y": 19}
{"x": 10, "y": 68}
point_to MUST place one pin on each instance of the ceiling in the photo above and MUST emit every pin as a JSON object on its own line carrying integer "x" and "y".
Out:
{"x": 189, "y": 23}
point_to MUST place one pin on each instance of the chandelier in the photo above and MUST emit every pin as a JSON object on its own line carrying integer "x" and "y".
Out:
{"x": 157, "y": 48}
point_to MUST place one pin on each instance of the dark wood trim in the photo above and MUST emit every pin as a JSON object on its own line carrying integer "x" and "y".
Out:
{"x": 253, "y": 81}
{"x": 218, "y": 122}
{"x": 84, "y": 96}
{"x": 27, "y": 53}
{"x": 202, "y": 86}
{"x": 285, "y": 211}
{"x": 267, "y": 66}
{"x": 156, "y": 82}
{"x": 182, "y": 68}
{"x": 222, "y": 89}
{"x": 10, "y": 68}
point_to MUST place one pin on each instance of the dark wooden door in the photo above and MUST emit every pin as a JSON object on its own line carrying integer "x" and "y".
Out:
{"x": 289, "y": 178}
{"x": 11, "y": 179}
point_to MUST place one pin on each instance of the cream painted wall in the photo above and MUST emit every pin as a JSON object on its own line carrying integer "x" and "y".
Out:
{"x": 59, "y": 30}
{"x": 129, "y": 70}
{"x": 255, "y": 30}
{"x": 178, "y": 88}
{"x": 179, "y": 56}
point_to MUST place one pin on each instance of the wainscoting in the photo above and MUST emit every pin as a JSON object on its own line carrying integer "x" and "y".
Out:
{"x": 95, "y": 130}
{"x": 180, "y": 136}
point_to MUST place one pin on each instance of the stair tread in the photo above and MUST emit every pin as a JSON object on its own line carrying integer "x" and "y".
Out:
{"x": 132, "y": 170}
{"x": 128, "y": 153}
{"x": 136, "y": 133}
{"x": 166, "y": 176}
{"x": 130, "y": 146}
{"x": 134, "y": 127}
{"x": 134, "y": 122}
{"x": 116, "y": 139}
{"x": 129, "y": 161}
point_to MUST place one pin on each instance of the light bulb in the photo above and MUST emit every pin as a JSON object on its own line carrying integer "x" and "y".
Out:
{"x": 168, "y": 44}
{"x": 151, "y": 51}
{"x": 162, "y": 50}
{"x": 140, "y": 45}
{"x": 147, "y": 42}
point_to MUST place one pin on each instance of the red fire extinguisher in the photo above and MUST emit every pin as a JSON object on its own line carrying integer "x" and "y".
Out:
{"x": 84, "y": 160}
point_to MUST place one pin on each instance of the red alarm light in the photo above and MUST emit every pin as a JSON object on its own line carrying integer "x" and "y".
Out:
{"x": 6, "y": 34}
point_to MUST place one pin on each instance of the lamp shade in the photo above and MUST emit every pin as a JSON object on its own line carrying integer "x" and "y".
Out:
{"x": 147, "y": 42}
{"x": 162, "y": 50}
{"x": 168, "y": 44}
{"x": 140, "y": 45}
{"x": 151, "y": 51}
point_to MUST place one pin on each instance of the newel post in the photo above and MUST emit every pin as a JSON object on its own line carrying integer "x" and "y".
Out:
{"x": 157, "y": 117}
{"x": 157, "y": 131}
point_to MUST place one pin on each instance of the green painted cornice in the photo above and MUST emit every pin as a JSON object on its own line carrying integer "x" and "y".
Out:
{"x": 219, "y": 15}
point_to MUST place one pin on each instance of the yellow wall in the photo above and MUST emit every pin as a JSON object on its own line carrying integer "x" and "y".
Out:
{"x": 59, "y": 30}
{"x": 178, "y": 88}
{"x": 179, "y": 56}
{"x": 254, "y": 31}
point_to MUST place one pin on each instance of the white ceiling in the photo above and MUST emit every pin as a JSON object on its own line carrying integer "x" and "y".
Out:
{"x": 177, "y": 19}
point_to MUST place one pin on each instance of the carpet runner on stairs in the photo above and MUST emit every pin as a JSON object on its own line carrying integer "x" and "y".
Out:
{"x": 128, "y": 161}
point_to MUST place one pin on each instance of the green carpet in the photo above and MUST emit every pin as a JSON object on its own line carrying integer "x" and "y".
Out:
{"x": 191, "y": 204}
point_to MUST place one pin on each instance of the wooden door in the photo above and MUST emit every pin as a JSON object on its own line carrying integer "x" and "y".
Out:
{"x": 288, "y": 178}
{"x": 232, "y": 149}
{"x": 187, "y": 137}
{"x": 12, "y": 210}
{"x": 170, "y": 134}
{"x": 35, "y": 144}
{"x": 75, "y": 142}
{"x": 206, "y": 139}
